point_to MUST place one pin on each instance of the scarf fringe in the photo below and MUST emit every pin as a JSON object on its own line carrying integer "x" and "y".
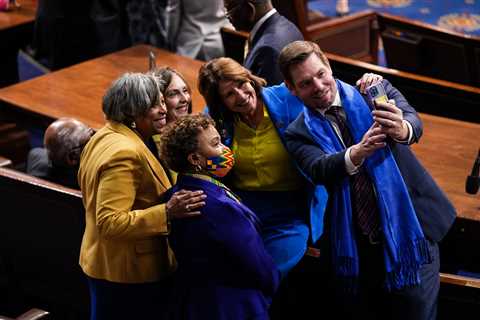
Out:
{"x": 346, "y": 275}
{"x": 411, "y": 257}
{"x": 345, "y": 267}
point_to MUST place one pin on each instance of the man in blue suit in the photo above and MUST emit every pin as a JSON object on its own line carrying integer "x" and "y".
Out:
{"x": 384, "y": 213}
{"x": 269, "y": 33}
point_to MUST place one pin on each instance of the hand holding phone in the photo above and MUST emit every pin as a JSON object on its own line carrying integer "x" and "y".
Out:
{"x": 376, "y": 93}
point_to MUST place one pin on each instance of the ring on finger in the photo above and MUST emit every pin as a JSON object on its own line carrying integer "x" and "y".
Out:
{"x": 187, "y": 207}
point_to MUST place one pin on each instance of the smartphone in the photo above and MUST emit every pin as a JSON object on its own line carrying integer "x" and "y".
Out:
{"x": 376, "y": 93}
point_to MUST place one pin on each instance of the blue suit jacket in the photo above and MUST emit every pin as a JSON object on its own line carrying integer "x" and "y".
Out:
{"x": 224, "y": 271}
{"x": 434, "y": 211}
{"x": 274, "y": 34}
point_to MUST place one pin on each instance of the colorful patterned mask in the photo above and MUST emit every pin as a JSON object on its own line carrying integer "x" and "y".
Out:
{"x": 220, "y": 165}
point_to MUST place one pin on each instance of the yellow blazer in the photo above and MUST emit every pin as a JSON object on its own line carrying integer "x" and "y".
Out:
{"x": 122, "y": 183}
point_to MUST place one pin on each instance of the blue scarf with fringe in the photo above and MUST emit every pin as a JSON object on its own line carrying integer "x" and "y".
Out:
{"x": 405, "y": 246}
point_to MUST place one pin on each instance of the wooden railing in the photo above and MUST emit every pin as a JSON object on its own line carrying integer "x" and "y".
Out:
{"x": 41, "y": 228}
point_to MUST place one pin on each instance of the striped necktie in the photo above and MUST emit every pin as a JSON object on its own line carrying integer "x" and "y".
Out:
{"x": 364, "y": 202}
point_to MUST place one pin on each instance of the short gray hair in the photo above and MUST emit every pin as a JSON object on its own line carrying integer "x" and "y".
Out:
{"x": 130, "y": 96}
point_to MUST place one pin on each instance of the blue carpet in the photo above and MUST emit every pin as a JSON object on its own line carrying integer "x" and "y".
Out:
{"x": 458, "y": 15}
{"x": 28, "y": 68}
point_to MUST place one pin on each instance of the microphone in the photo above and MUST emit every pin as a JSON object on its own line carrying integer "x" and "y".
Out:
{"x": 473, "y": 180}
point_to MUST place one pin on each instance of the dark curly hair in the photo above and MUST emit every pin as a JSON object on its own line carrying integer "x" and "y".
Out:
{"x": 179, "y": 139}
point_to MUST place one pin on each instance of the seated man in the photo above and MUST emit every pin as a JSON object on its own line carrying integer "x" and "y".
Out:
{"x": 58, "y": 162}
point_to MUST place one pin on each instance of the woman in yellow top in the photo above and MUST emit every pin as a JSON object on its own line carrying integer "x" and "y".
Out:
{"x": 124, "y": 251}
{"x": 265, "y": 178}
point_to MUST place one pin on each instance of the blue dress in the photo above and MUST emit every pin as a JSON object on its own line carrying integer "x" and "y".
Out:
{"x": 224, "y": 271}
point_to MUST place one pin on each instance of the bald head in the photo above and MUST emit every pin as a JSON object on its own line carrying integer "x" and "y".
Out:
{"x": 64, "y": 140}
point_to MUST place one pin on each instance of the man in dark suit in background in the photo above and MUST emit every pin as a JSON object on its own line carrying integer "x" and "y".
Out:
{"x": 385, "y": 214}
{"x": 269, "y": 33}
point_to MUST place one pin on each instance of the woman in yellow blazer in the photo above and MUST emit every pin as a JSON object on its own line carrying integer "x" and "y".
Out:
{"x": 125, "y": 252}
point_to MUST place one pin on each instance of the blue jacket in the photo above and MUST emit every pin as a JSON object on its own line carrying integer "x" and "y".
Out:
{"x": 223, "y": 271}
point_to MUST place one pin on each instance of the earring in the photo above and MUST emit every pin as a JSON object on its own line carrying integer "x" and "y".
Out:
{"x": 133, "y": 125}
{"x": 198, "y": 168}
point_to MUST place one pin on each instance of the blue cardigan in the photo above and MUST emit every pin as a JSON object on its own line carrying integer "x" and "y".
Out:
{"x": 223, "y": 271}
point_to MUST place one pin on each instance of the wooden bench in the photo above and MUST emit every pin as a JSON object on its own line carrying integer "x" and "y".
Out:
{"x": 421, "y": 48}
{"x": 40, "y": 236}
{"x": 459, "y": 297}
{"x": 14, "y": 143}
{"x": 5, "y": 162}
{"x": 354, "y": 36}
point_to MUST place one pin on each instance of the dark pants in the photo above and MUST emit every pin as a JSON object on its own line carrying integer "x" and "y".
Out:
{"x": 312, "y": 290}
{"x": 373, "y": 301}
{"x": 111, "y": 300}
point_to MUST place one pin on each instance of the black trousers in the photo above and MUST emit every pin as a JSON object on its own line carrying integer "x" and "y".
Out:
{"x": 110, "y": 300}
{"x": 311, "y": 291}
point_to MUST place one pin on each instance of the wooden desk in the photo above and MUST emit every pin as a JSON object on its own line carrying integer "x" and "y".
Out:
{"x": 448, "y": 149}
{"x": 16, "y": 30}
{"x": 17, "y": 17}
{"x": 77, "y": 91}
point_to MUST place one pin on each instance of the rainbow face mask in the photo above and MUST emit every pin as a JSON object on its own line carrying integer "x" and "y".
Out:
{"x": 220, "y": 165}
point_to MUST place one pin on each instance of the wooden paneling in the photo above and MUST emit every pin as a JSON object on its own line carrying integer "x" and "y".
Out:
{"x": 428, "y": 95}
{"x": 40, "y": 234}
{"x": 354, "y": 36}
{"x": 421, "y": 48}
